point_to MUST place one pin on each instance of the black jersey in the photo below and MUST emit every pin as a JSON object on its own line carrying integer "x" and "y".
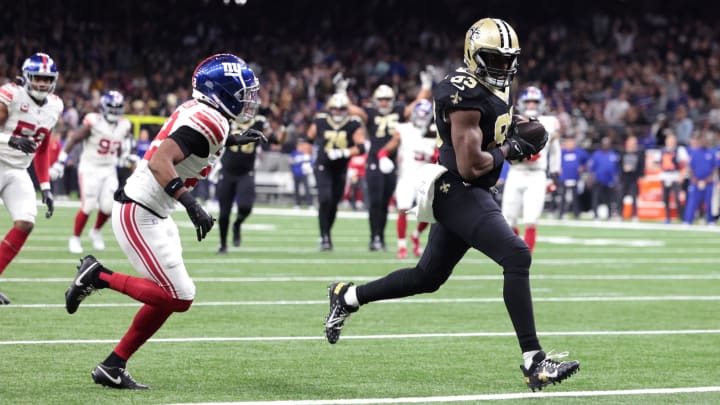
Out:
{"x": 240, "y": 159}
{"x": 380, "y": 128}
{"x": 461, "y": 90}
{"x": 334, "y": 135}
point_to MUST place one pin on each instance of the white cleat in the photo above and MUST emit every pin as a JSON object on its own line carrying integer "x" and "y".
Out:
{"x": 74, "y": 245}
{"x": 97, "y": 239}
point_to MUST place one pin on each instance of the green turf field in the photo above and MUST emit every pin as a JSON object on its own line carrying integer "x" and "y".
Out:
{"x": 639, "y": 307}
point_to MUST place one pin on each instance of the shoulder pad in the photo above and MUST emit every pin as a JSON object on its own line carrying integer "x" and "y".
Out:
{"x": 90, "y": 119}
{"x": 7, "y": 92}
{"x": 210, "y": 123}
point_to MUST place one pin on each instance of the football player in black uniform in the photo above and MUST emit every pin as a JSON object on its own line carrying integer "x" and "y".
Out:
{"x": 237, "y": 180}
{"x": 474, "y": 120}
{"x": 380, "y": 121}
{"x": 337, "y": 135}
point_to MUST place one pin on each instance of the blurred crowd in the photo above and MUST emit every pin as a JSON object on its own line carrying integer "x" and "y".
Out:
{"x": 609, "y": 71}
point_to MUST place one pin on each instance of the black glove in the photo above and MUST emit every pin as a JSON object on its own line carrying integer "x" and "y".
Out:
{"x": 249, "y": 136}
{"x": 519, "y": 149}
{"x": 22, "y": 143}
{"x": 202, "y": 220}
{"x": 47, "y": 199}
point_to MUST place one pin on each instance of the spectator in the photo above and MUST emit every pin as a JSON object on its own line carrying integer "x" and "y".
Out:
{"x": 632, "y": 168}
{"x": 673, "y": 159}
{"x": 604, "y": 170}
{"x": 573, "y": 161}
{"x": 301, "y": 166}
{"x": 702, "y": 167}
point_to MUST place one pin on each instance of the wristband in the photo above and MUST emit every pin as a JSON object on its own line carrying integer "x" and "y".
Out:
{"x": 173, "y": 186}
{"x": 498, "y": 157}
{"x": 361, "y": 148}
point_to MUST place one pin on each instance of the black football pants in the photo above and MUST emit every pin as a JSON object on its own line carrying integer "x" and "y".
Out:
{"x": 467, "y": 217}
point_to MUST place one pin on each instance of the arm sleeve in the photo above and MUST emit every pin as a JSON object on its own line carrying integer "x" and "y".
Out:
{"x": 191, "y": 141}
{"x": 42, "y": 163}
{"x": 554, "y": 156}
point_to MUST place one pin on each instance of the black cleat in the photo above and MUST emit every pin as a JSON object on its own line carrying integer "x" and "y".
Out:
{"x": 116, "y": 377}
{"x": 82, "y": 285}
{"x": 222, "y": 250}
{"x": 545, "y": 370}
{"x": 236, "y": 234}
{"x": 4, "y": 300}
{"x": 377, "y": 245}
{"x": 339, "y": 311}
{"x": 325, "y": 244}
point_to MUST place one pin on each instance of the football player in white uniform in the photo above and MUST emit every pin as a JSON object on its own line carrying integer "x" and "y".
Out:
{"x": 416, "y": 146}
{"x": 191, "y": 140}
{"x": 102, "y": 136}
{"x": 526, "y": 183}
{"x": 28, "y": 114}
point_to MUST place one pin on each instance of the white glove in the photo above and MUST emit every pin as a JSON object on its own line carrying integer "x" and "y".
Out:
{"x": 386, "y": 165}
{"x": 335, "y": 154}
{"x": 426, "y": 77}
{"x": 340, "y": 83}
{"x": 306, "y": 168}
{"x": 57, "y": 170}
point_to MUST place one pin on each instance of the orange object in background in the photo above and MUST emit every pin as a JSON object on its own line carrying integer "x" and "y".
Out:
{"x": 650, "y": 200}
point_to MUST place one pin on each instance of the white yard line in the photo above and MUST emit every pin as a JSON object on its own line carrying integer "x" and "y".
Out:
{"x": 366, "y": 337}
{"x": 333, "y": 261}
{"x": 649, "y": 298}
{"x": 292, "y": 279}
{"x": 477, "y": 397}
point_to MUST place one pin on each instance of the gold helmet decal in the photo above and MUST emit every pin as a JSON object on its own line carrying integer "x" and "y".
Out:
{"x": 491, "y": 51}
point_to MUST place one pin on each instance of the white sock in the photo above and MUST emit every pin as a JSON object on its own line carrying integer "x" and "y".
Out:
{"x": 528, "y": 357}
{"x": 350, "y": 297}
{"x": 402, "y": 243}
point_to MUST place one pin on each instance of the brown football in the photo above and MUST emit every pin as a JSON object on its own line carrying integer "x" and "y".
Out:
{"x": 530, "y": 130}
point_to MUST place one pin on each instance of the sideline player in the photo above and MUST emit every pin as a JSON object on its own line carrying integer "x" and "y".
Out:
{"x": 237, "y": 180}
{"x": 474, "y": 120}
{"x": 416, "y": 146}
{"x": 526, "y": 184}
{"x": 224, "y": 89}
{"x": 102, "y": 136}
{"x": 337, "y": 135}
{"x": 28, "y": 114}
{"x": 380, "y": 120}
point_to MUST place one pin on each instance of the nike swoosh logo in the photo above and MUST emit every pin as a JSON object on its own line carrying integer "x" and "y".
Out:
{"x": 115, "y": 380}
{"x": 78, "y": 278}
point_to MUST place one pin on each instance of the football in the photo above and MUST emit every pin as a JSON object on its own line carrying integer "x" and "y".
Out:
{"x": 530, "y": 130}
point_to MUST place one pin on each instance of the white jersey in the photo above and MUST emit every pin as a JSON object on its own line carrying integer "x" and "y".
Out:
{"x": 102, "y": 146}
{"x": 415, "y": 150}
{"x": 549, "y": 157}
{"x": 26, "y": 117}
{"x": 143, "y": 188}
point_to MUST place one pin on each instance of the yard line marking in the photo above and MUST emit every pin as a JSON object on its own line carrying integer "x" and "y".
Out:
{"x": 468, "y": 398}
{"x": 207, "y": 339}
{"x": 396, "y": 301}
{"x": 334, "y": 262}
{"x": 286, "y": 279}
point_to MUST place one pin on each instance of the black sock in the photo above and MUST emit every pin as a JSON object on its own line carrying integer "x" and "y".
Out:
{"x": 113, "y": 360}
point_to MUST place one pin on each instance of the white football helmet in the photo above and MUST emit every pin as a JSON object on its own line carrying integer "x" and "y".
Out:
{"x": 382, "y": 93}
